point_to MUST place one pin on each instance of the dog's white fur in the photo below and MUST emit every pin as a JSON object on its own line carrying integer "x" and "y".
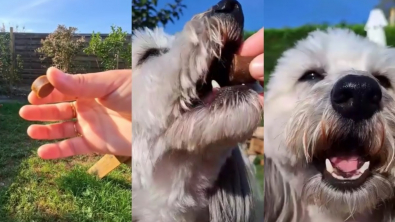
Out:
{"x": 293, "y": 108}
{"x": 186, "y": 164}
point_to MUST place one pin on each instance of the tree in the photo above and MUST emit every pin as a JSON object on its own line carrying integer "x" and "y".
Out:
{"x": 145, "y": 14}
{"x": 62, "y": 47}
{"x": 111, "y": 49}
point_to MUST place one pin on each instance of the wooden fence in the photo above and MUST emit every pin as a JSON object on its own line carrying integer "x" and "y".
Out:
{"x": 254, "y": 146}
{"x": 25, "y": 44}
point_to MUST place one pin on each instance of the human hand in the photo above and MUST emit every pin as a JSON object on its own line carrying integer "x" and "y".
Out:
{"x": 253, "y": 46}
{"x": 102, "y": 103}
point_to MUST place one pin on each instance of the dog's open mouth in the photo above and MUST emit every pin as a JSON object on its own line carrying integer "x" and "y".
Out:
{"x": 218, "y": 85}
{"x": 217, "y": 81}
{"x": 347, "y": 164}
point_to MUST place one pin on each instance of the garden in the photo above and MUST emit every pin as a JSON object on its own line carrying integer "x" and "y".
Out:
{"x": 32, "y": 189}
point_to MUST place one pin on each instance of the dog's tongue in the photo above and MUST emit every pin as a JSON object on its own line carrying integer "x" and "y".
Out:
{"x": 210, "y": 97}
{"x": 345, "y": 164}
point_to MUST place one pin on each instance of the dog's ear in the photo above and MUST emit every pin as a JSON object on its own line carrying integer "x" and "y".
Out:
{"x": 147, "y": 43}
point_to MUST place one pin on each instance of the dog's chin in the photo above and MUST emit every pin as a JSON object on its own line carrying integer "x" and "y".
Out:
{"x": 348, "y": 177}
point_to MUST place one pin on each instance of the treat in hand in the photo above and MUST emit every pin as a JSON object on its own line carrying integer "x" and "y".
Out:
{"x": 42, "y": 87}
{"x": 240, "y": 73}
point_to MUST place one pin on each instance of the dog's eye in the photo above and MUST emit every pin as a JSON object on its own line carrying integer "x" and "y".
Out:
{"x": 384, "y": 81}
{"x": 150, "y": 53}
{"x": 311, "y": 75}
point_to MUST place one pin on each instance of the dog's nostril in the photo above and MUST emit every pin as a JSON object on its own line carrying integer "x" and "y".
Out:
{"x": 342, "y": 96}
{"x": 356, "y": 97}
{"x": 226, "y": 6}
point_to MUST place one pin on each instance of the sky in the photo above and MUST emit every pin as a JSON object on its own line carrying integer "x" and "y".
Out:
{"x": 284, "y": 13}
{"x": 253, "y": 13}
{"x": 98, "y": 15}
{"x": 43, "y": 16}
{"x": 292, "y": 13}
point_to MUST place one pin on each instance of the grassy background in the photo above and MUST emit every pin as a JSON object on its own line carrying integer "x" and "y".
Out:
{"x": 279, "y": 40}
{"x": 32, "y": 189}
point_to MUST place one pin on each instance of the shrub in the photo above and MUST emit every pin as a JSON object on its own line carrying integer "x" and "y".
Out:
{"x": 62, "y": 46}
{"x": 111, "y": 50}
{"x": 279, "y": 40}
{"x": 9, "y": 75}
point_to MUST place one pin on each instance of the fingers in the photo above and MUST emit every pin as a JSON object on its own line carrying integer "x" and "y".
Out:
{"x": 253, "y": 46}
{"x": 65, "y": 148}
{"x": 256, "y": 67}
{"x": 52, "y": 131}
{"x": 47, "y": 112}
{"x": 91, "y": 85}
{"x": 54, "y": 97}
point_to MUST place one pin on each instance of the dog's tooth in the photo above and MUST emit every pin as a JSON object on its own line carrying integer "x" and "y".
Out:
{"x": 338, "y": 176}
{"x": 364, "y": 167}
{"x": 329, "y": 166}
{"x": 356, "y": 176}
{"x": 214, "y": 84}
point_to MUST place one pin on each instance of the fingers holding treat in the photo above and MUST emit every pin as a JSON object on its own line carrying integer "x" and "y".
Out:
{"x": 42, "y": 87}
{"x": 43, "y": 92}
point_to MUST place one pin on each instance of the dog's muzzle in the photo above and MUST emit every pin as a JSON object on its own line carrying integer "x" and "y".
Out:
{"x": 346, "y": 151}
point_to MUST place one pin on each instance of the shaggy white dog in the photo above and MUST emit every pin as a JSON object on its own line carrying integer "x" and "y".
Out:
{"x": 329, "y": 131}
{"x": 187, "y": 121}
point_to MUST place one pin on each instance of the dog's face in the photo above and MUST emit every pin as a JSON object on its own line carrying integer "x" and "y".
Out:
{"x": 330, "y": 111}
{"x": 189, "y": 100}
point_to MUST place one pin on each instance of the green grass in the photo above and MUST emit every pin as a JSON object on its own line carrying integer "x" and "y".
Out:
{"x": 259, "y": 171}
{"x": 35, "y": 190}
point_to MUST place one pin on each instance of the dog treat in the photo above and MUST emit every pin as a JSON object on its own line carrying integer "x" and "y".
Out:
{"x": 42, "y": 87}
{"x": 240, "y": 70}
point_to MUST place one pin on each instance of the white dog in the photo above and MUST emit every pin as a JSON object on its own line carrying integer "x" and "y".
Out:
{"x": 329, "y": 131}
{"x": 188, "y": 120}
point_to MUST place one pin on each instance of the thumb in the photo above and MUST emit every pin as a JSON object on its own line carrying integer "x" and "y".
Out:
{"x": 257, "y": 67}
{"x": 91, "y": 85}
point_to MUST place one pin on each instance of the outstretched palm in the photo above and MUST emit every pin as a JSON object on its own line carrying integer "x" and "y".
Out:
{"x": 103, "y": 122}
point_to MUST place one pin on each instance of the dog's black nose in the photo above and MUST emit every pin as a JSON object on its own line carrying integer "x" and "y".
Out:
{"x": 227, "y": 6}
{"x": 356, "y": 97}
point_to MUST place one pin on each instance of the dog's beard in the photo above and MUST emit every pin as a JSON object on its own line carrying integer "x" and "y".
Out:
{"x": 316, "y": 134}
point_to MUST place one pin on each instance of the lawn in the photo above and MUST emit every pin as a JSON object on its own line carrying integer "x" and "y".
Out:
{"x": 259, "y": 172}
{"x": 35, "y": 190}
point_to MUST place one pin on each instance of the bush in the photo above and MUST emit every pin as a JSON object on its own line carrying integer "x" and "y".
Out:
{"x": 111, "y": 50}
{"x": 279, "y": 40}
{"x": 8, "y": 76}
{"x": 62, "y": 47}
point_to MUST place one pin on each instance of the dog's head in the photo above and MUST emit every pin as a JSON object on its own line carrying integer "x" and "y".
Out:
{"x": 330, "y": 106}
{"x": 185, "y": 79}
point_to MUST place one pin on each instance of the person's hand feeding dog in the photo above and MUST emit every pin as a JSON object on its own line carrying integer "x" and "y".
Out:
{"x": 253, "y": 46}
{"x": 93, "y": 110}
